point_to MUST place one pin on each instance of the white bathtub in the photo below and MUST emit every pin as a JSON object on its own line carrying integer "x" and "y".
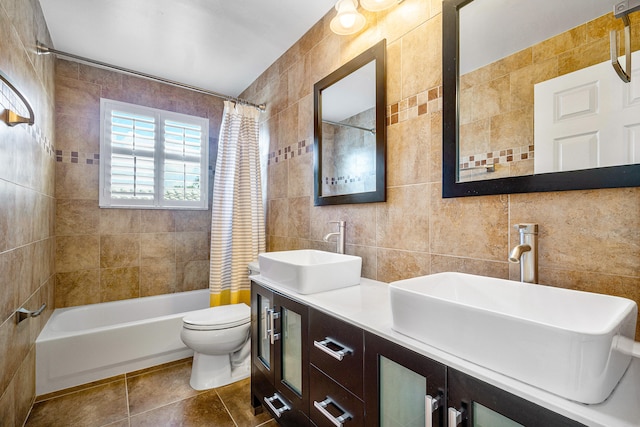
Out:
{"x": 91, "y": 342}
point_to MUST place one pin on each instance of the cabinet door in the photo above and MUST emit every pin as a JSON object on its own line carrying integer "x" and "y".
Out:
{"x": 402, "y": 388}
{"x": 292, "y": 352}
{"x": 279, "y": 369}
{"x": 263, "y": 324}
{"x": 475, "y": 403}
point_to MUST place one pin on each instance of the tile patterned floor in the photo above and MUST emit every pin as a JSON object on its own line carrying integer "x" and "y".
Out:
{"x": 159, "y": 396}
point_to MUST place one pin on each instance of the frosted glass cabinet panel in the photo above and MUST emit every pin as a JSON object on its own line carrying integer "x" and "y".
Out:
{"x": 292, "y": 350}
{"x": 264, "y": 345}
{"x": 402, "y": 393}
{"x": 485, "y": 417}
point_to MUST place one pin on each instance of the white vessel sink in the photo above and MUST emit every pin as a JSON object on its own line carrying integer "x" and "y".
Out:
{"x": 559, "y": 340}
{"x": 309, "y": 271}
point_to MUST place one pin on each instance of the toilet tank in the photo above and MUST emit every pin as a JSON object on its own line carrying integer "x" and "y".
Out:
{"x": 254, "y": 268}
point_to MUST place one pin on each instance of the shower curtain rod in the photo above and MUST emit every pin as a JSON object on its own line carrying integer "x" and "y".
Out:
{"x": 43, "y": 49}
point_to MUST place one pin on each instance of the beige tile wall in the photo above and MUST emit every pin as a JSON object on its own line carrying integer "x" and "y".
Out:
{"x": 27, "y": 206}
{"x": 114, "y": 254}
{"x": 589, "y": 240}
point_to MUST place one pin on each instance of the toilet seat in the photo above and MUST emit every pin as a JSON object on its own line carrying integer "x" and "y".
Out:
{"x": 216, "y": 318}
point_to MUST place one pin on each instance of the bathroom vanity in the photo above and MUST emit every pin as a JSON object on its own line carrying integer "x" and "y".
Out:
{"x": 332, "y": 358}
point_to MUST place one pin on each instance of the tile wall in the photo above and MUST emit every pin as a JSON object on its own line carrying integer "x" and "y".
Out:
{"x": 589, "y": 240}
{"x": 27, "y": 205}
{"x": 114, "y": 254}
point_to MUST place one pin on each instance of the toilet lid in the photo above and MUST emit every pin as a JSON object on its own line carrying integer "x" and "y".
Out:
{"x": 222, "y": 317}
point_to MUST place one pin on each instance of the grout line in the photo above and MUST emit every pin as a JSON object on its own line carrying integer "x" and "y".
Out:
{"x": 126, "y": 395}
{"x": 225, "y": 407}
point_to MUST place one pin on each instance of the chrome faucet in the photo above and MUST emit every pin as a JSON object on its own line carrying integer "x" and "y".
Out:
{"x": 526, "y": 253}
{"x": 339, "y": 236}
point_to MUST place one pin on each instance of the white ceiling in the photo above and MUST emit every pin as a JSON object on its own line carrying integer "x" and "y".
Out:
{"x": 217, "y": 45}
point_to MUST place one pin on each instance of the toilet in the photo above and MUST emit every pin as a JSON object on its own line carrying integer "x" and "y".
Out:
{"x": 220, "y": 339}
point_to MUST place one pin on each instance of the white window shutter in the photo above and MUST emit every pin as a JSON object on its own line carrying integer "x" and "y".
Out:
{"x": 152, "y": 158}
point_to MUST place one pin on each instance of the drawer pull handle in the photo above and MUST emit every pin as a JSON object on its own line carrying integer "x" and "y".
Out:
{"x": 277, "y": 411}
{"x": 272, "y": 315}
{"x": 431, "y": 405}
{"x": 339, "y": 421}
{"x": 336, "y": 354}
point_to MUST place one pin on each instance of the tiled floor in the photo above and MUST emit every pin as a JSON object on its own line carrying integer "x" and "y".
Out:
{"x": 159, "y": 396}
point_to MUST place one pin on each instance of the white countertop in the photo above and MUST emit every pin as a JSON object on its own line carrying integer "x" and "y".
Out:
{"x": 367, "y": 306}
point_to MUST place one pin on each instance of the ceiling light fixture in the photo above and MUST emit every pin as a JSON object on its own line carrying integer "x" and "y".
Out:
{"x": 378, "y": 5}
{"x": 348, "y": 20}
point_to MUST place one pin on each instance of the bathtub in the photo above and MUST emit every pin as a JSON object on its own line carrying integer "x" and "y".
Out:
{"x": 91, "y": 342}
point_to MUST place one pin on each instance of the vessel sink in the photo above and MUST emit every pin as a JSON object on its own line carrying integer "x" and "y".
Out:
{"x": 563, "y": 341}
{"x": 310, "y": 271}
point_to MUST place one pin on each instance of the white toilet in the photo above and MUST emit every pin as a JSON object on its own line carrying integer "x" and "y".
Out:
{"x": 219, "y": 337}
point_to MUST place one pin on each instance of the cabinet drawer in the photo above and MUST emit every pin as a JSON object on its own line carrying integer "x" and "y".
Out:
{"x": 330, "y": 399}
{"x": 327, "y": 337}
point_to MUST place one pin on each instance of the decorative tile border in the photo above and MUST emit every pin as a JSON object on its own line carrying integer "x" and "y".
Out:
{"x": 425, "y": 102}
{"x": 290, "y": 152}
{"x": 342, "y": 179}
{"x": 509, "y": 155}
{"x": 65, "y": 156}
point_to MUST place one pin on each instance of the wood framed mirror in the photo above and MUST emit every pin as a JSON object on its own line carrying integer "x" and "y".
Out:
{"x": 350, "y": 131}
{"x": 522, "y": 178}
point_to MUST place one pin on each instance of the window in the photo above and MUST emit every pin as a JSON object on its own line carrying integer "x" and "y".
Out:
{"x": 152, "y": 159}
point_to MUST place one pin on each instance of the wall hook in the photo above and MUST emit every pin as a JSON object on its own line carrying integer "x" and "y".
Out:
{"x": 622, "y": 11}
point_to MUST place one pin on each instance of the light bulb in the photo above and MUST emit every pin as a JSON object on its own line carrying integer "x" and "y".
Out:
{"x": 348, "y": 20}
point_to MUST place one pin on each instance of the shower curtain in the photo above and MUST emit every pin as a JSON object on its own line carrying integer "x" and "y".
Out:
{"x": 237, "y": 222}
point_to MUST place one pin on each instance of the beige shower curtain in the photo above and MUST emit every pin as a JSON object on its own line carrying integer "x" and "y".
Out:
{"x": 237, "y": 223}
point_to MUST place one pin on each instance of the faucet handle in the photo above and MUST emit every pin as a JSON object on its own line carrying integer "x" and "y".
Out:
{"x": 526, "y": 228}
{"x": 340, "y": 223}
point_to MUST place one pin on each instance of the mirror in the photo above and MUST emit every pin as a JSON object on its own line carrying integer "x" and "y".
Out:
{"x": 350, "y": 131}
{"x": 499, "y": 58}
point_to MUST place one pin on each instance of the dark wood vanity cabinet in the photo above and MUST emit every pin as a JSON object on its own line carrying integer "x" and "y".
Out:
{"x": 279, "y": 356}
{"x": 312, "y": 369}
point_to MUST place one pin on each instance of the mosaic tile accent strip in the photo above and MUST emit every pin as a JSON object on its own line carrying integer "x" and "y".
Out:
{"x": 342, "y": 179}
{"x": 425, "y": 102}
{"x": 9, "y": 100}
{"x": 65, "y": 156}
{"x": 286, "y": 153}
{"x": 509, "y": 155}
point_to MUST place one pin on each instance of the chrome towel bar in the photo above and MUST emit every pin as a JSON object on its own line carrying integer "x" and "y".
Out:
{"x": 622, "y": 11}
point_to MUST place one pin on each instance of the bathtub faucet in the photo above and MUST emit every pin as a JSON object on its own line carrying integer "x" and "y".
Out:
{"x": 339, "y": 236}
